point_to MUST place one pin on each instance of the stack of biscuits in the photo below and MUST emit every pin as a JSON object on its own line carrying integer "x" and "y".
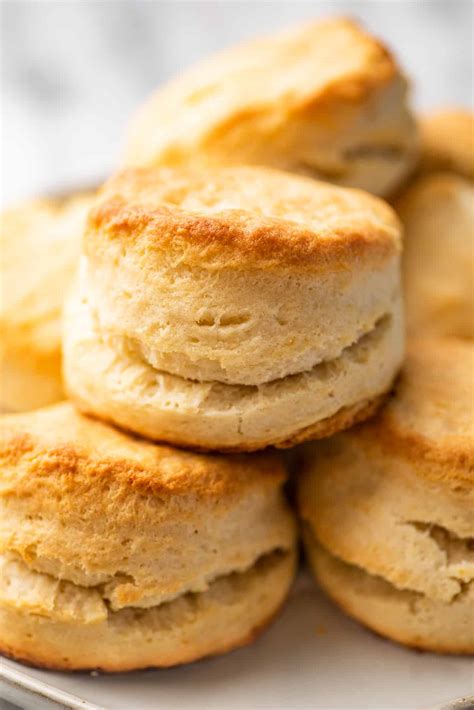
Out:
{"x": 234, "y": 289}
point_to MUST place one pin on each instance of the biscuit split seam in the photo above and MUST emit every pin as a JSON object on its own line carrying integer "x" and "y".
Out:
{"x": 97, "y": 603}
{"x": 464, "y": 585}
{"x": 351, "y": 351}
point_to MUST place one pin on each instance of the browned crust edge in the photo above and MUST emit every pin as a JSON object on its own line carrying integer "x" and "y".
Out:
{"x": 220, "y": 241}
{"x": 343, "y": 419}
{"x": 36, "y": 661}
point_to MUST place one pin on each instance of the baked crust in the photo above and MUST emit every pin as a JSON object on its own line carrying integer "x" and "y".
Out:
{"x": 240, "y": 218}
{"x": 345, "y": 418}
{"x": 430, "y": 418}
{"x": 58, "y": 442}
{"x": 325, "y": 99}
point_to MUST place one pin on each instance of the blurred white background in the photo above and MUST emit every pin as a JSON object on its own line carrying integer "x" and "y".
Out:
{"x": 73, "y": 71}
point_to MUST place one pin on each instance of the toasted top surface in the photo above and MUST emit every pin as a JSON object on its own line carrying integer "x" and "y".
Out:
{"x": 431, "y": 415}
{"x": 39, "y": 246}
{"x": 58, "y": 440}
{"x": 240, "y": 217}
{"x": 448, "y": 141}
{"x": 270, "y": 78}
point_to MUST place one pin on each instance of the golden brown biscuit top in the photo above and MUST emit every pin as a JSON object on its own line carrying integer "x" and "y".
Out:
{"x": 448, "y": 141}
{"x": 431, "y": 415}
{"x": 265, "y": 80}
{"x": 241, "y": 217}
{"x": 57, "y": 441}
{"x": 39, "y": 245}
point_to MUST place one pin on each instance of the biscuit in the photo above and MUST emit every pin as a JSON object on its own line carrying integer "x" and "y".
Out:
{"x": 325, "y": 99}
{"x": 438, "y": 260}
{"x": 119, "y": 554}
{"x": 447, "y": 142}
{"x": 39, "y": 248}
{"x": 234, "y": 308}
{"x": 388, "y": 506}
{"x": 404, "y": 616}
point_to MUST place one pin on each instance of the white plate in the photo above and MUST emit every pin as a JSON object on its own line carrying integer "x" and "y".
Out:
{"x": 312, "y": 657}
